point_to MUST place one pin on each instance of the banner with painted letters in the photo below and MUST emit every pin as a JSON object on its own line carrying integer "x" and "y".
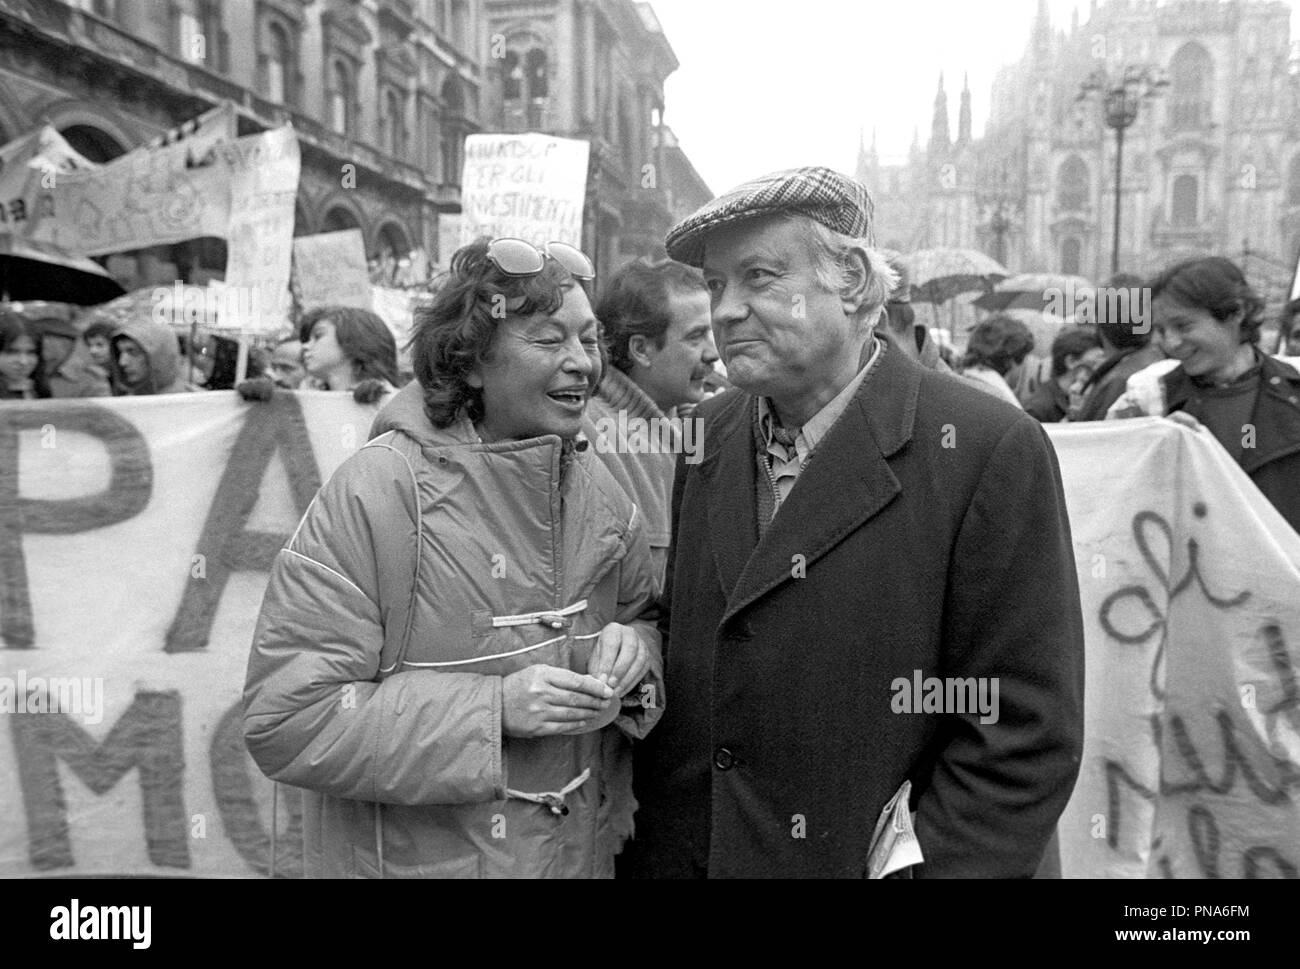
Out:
{"x": 135, "y": 538}
{"x": 136, "y": 534}
{"x": 1190, "y": 585}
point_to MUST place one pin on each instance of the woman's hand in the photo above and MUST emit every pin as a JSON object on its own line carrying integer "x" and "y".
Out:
{"x": 620, "y": 658}
{"x": 368, "y": 391}
{"x": 542, "y": 701}
{"x": 259, "y": 388}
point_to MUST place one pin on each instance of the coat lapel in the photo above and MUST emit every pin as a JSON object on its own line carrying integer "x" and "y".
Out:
{"x": 728, "y": 474}
{"x": 847, "y": 482}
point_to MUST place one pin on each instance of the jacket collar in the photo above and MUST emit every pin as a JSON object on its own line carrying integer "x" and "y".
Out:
{"x": 1277, "y": 409}
{"x": 621, "y": 393}
{"x": 846, "y": 483}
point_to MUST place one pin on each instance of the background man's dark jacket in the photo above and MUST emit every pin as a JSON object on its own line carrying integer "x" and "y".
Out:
{"x": 931, "y": 533}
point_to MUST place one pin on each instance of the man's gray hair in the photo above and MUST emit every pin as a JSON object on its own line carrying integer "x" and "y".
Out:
{"x": 828, "y": 248}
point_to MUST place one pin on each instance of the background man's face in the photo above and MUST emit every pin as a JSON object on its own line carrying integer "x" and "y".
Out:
{"x": 779, "y": 332}
{"x": 286, "y": 365}
{"x": 132, "y": 361}
{"x": 677, "y": 371}
{"x": 55, "y": 348}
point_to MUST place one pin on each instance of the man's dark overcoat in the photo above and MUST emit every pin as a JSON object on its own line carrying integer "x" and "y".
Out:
{"x": 927, "y": 533}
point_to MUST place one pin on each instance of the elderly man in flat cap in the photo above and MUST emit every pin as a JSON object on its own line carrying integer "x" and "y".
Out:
{"x": 873, "y": 636}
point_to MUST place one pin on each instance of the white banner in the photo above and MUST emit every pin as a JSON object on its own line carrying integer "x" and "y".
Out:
{"x": 1190, "y": 584}
{"x": 150, "y": 196}
{"x": 135, "y": 540}
{"x": 529, "y": 187}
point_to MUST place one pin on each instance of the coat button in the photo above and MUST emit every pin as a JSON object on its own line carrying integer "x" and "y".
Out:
{"x": 1275, "y": 381}
{"x": 723, "y": 759}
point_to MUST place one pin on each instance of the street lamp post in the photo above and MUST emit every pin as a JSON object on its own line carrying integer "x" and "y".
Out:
{"x": 1121, "y": 99}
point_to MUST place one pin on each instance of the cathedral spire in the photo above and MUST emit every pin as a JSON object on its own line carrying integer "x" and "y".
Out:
{"x": 940, "y": 140}
{"x": 963, "y": 118}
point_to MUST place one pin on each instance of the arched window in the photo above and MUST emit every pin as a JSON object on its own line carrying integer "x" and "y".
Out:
{"x": 1191, "y": 75}
{"x": 1293, "y": 183}
{"x": 1184, "y": 203}
{"x": 92, "y": 144}
{"x": 341, "y": 98}
{"x": 337, "y": 219}
{"x": 1072, "y": 185}
{"x": 1071, "y": 256}
{"x": 277, "y": 64}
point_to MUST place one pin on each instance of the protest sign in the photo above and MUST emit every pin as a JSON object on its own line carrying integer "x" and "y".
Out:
{"x": 329, "y": 269}
{"x": 259, "y": 250}
{"x": 135, "y": 539}
{"x": 527, "y": 186}
{"x": 152, "y": 195}
{"x": 1190, "y": 586}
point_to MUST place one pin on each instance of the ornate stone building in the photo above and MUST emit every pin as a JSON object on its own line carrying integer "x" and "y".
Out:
{"x": 596, "y": 70}
{"x": 390, "y": 87}
{"x": 1212, "y": 165}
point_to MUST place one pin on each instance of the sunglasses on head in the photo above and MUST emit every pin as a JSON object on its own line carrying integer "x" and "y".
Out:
{"x": 515, "y": 257}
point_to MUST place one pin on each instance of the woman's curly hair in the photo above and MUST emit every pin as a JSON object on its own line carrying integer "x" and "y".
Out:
{"x": 453, "y": 333}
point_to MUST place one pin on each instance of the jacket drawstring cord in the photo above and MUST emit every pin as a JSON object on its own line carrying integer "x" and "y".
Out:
{"x": 553, "y": 800}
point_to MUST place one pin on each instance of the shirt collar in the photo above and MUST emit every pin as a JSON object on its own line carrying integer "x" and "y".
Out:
{"x": 817, "y": 426}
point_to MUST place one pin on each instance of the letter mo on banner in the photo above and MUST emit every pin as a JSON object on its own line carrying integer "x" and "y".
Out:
{"x": 135, "y": 542}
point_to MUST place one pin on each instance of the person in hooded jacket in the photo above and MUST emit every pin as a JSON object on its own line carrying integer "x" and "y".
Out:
{"x": 448, "y": 659}
{"x": 148, "y": 359}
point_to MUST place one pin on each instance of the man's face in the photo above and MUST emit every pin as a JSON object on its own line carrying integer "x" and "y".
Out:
{"x": 675, "y": 374}
{"x": 131, "y": 360}
{"x": 780, "y": 333}
{"x": 286, "y": 365}
{"x": 100, "y": 350}
{"x": 55, "y": 348}
{"x": 542, "y": 370}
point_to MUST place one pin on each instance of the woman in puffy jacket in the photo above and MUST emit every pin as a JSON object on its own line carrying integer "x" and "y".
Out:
{"x": 448, "y": 658}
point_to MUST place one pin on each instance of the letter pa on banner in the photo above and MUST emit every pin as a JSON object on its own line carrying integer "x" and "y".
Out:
{"x": 527, "y": 186}
{"x": 1190, "y": 585}
{"x": 135, "y": 541}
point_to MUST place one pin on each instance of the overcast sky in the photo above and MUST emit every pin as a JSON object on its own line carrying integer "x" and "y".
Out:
{"x": 765, "y": 85}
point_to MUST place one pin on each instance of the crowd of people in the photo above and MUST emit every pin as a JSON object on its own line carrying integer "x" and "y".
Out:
{"x": 45, "y": 354}
{"x": 1185, "y": 342}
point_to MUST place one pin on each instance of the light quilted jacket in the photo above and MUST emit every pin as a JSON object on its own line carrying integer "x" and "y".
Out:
{"x": 427, "y": 569}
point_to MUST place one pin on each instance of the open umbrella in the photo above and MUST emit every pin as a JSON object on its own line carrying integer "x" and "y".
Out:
{"x": 30, "y": 270}
{"x": 940, "y": 274}
{"x": 1055, "y": 293}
